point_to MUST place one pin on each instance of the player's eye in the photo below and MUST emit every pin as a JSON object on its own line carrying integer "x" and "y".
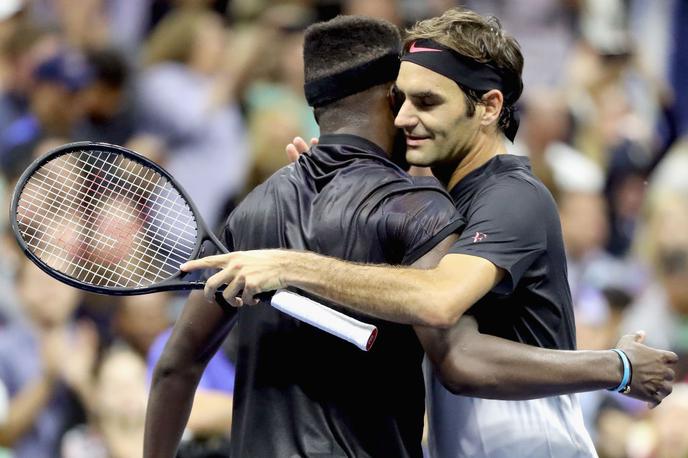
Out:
{"x": 427, "y": 102}
{"x": 396, "y": 99}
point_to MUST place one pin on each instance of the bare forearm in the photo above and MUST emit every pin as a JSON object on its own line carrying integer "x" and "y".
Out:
{"x": 197, "y": 335}
{"x": 169, "y": 406}
{"x": 24, "y": 408}
{"x": 485, "y": 366}
{"x": 404, "y": 295}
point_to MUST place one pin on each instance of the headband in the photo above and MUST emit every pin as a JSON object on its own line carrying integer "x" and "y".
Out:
{"x": 469, "y": 73}
{"x": 331, "y": 88}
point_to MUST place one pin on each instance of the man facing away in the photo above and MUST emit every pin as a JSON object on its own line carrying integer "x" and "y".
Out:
{"x": 459, "y": 79}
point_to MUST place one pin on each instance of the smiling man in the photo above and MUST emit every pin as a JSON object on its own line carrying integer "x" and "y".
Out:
{"x": 459, "y": 78}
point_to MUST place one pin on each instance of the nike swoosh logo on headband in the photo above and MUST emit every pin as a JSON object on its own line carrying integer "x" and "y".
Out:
{"x": 415, "y": 48}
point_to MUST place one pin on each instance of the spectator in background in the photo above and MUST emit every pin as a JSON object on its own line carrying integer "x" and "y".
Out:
{"x": 117, "y": 413}
{"x": 44, "y": 359}
{"x": 276, "y": 107}
{"x": 23, "y": 49}
{"x": 546, "y": 126}
{"x": 546, "y": 31}
{"x": 138, "y": 320}
{"x": 55, "y": 106}
{"x": 663, "y": 305}
{"x": 667, "y": 424}
{"x": 616, "y": 103}
{"x": 187, "y": 99}
{"x": 109, "y": 111}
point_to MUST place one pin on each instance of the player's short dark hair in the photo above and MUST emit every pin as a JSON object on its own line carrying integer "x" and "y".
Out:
{"x": 345, "y": 42}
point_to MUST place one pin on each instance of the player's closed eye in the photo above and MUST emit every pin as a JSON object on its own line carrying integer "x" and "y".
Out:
{"x": 396, "y": 99}
{"x": 425, "y": 102}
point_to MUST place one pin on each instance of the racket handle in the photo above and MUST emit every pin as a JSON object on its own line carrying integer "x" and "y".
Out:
{"x": 322, "y": 317}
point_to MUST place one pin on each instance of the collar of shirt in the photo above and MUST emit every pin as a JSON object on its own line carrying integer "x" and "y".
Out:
{"x": 353, "y": 140}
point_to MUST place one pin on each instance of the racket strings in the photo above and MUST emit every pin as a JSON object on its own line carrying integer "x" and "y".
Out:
{"x": 106, "y": 220}
{"x": 106, "y": 212}
{"x": 32, "y": 188}
{"x": 117, "y": 212}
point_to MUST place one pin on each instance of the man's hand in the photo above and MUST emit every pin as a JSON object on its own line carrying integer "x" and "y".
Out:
{"x": 297, "y": 147}
{"x": 653, "y": 372}
{"x": 252, "y": 272}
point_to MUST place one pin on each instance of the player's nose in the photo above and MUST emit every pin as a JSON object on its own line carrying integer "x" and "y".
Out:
{"x": 406, "y": 118}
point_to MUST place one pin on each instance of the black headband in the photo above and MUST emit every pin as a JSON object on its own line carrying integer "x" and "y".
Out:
{"x": 469, "y": 73}
{"x": 331, "y": 88}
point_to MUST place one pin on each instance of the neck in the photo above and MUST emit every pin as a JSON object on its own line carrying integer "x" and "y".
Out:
{"x": 485, "y": 148}
{"x": 366, "y": 115}
{"x": 383, "y": 141}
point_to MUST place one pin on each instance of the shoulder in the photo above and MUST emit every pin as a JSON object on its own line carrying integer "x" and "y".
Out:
{"x": 514, "y": 191}
{"x": 416, "y": 193}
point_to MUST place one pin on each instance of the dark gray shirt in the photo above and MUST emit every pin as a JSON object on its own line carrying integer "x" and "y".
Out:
{"x": 512, "y": 221}
{"x": 299, "y": 391}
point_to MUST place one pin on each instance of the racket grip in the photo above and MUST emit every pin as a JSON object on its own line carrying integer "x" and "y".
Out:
{"x": 322, "y": 317}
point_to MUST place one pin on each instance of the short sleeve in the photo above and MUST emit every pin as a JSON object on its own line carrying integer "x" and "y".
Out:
{"x": 506, "y": 224}
{"x": 419, "y": 220}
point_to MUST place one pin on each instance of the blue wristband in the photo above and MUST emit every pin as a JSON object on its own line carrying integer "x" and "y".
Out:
{"x": 626, "y": 378}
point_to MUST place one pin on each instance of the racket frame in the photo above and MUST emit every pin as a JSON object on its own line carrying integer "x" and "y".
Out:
{"x": 174, "y": 282}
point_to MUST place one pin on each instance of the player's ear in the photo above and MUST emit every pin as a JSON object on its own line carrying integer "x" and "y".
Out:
{"x": 492, "y": 101}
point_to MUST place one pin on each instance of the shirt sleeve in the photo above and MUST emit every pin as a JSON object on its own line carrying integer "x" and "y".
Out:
{"x": 417, "y": 221}
{"x": 506, "y": 224}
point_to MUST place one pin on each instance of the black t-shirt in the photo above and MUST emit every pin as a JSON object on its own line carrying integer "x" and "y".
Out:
{"x": 512, "y": 221}
{"x": 300, "y": 391}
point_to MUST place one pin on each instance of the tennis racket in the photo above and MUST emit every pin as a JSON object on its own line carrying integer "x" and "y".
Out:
{"x": 105, "y": 219}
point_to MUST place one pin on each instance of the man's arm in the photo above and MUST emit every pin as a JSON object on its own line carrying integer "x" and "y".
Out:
{"x": 480, "y": 365}
{"x": 434, "y": 297}
{"x": 197, "y": 335}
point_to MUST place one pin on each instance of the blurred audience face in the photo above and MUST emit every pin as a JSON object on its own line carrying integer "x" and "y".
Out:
{"x": 25, "y": 47}
{"x": 584, "y": 222}
{"x": 47, "y": 301}
{"x": 140, "y": 319}
{"x": 192, "y": 37}
{"x": 208, "y": 44}
{"x": 545, "y": 120}
{"x": 102, "y": 101}
{"x": 674, "y": 265}
{"x": 56, "y": 107}
{"x": 383, "y": 9}
{"x": 120, "y": 402}
{"x": 667, "y": 232}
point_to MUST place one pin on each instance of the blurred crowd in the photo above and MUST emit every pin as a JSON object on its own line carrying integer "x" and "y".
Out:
{"x": 213, "y": 91}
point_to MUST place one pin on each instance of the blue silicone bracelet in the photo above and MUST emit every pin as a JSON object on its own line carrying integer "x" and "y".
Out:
{"x": 626, "y": 379}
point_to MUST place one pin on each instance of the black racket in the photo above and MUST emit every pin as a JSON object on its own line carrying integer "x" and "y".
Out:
{"x": 105, "y": 219}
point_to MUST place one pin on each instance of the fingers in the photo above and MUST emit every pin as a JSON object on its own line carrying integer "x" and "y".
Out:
{"x": 247, "y": 296}
{"x": 669, "y": 375}
{"x": 232, "y": 290}
{"x": 213, "y": 283}
{"x": 670, "y": 357}
{"x": 301, "y": 145}
{"x": 206, "y": 263}
{"x": 314, "y": 141}
{"x": 663, "y": 391}
{"x": 638, "y": 337}
{"x": 292, "y": 153}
